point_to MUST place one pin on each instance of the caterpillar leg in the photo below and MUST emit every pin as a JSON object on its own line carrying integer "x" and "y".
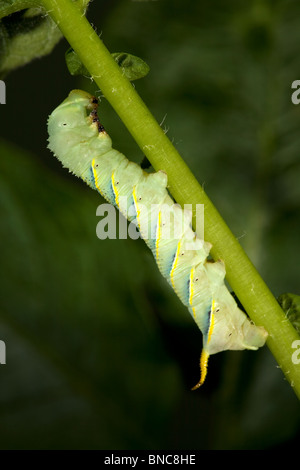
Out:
{"x": 203, "y": 369}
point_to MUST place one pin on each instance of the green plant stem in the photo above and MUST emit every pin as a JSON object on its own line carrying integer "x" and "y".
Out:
{"x": 253, "y": 293}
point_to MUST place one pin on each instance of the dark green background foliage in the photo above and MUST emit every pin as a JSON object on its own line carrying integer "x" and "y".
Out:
{"x": 100, "y": 352}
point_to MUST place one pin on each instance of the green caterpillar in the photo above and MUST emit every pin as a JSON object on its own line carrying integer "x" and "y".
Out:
{"x": 80, "y": 142}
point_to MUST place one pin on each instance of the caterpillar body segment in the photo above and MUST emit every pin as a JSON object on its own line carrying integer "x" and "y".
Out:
{"x": 80, "y": 142}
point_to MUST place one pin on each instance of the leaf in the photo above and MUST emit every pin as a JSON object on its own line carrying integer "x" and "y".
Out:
{"x": 133, "y": 67}
{"x": 290, "y": 303}
{"x": 74, "y": 64}
{"x": 26, "y": 34}
{"x": 7, "y": 7}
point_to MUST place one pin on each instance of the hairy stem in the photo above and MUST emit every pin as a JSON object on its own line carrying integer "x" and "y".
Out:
{"x": 253, "y": 293}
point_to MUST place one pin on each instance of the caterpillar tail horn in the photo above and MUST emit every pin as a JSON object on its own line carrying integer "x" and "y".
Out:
{"x": 203, "y": 369}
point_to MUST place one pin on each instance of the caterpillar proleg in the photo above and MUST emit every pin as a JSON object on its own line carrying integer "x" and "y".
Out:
{"x": 80, "y": 142}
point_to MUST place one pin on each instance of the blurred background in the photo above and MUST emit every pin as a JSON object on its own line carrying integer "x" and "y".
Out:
{"x": 100, "y": 352}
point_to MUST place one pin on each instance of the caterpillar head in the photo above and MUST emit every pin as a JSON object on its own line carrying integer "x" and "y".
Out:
{"x": 75, "y": 135}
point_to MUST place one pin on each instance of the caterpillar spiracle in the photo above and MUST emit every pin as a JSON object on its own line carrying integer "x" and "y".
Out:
{"x": 81, "y": 143}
